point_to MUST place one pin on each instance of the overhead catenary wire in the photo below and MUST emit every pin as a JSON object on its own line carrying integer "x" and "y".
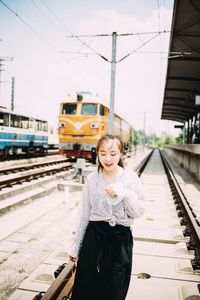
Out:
{"x": 77, "y": 37}
{"x": 55, "y": 16}
{"x": 76, "y": 57}
{"x": 119, "y": 34}
{"x": 27, "y": 25}
{"x": 40, "y": 36}
{"x": 76, "y": 52}
{"x": 133, "y": 51}
{"x": 41, "y": 11}
{"x": 92, "y": 40}
{"x": 62, "y": 25}
{"x": 157, "y": 33}
{"x": 85, "y": 54}
{"x": 164, "y": 52}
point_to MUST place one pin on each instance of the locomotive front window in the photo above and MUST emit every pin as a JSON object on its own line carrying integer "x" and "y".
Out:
{"x": 102, "y": 110}
{"x": 89, "y": 109}
{"x": 69, "y": 109}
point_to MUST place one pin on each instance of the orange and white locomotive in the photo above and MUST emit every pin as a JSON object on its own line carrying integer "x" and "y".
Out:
{"x": 82, "y": 122}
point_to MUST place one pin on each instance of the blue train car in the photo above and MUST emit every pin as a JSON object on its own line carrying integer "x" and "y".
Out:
{"x": 20, "y": 133}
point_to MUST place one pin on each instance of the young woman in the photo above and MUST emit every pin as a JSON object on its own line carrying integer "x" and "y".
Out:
{"x": 112, "y": 197}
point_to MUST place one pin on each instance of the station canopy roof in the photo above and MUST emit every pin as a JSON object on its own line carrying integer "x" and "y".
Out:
{"x": 183, "y": 70}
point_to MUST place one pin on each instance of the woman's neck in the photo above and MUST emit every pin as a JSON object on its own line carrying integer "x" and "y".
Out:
{"x": 114, "y": 174}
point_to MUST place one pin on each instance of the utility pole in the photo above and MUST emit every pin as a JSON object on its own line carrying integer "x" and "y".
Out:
{"x": 112, "y": 83}
{"x": 2, "y": 59}
{"x": 1, "y": 70}
{"x": 12, "y": 93}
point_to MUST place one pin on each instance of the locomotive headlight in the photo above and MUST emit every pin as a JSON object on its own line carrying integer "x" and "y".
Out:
{"x": 94, "y": 125}
{"x": 61, "y": 124}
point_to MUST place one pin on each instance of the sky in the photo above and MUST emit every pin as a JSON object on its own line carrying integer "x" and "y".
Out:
{"x": 48, "y": 64}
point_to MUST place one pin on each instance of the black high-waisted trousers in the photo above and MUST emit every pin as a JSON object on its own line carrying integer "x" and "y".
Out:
{"x": 104, "y": 264}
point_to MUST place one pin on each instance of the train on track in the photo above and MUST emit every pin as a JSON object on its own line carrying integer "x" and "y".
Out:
{"x": 23, "y": 134}
{"x": 82, "y": 121}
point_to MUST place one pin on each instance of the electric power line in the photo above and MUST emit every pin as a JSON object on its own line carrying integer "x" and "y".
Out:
{"x": 76, "y": 52}
{"x": 157, "y": 33}
{"x": 40, "y": 10}
{"x": 119, "y": 34}
{"x": 133, "y": 51}
{"x": 78, "y": 37}
{"x": 27, "y": 25}
{"x": 61, "y": 23}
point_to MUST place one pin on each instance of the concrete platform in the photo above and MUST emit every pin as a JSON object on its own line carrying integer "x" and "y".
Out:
{"x": 178, "y": 250}
{"x": 23, "y": 295}
{"x": 40, "y": 279}
{"x": 27, "y": 214}
{"x": 165, "y": 289}
{"x": 164, "y": 267}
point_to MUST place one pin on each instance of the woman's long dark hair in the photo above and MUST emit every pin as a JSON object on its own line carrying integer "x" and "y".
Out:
{"x": 108, "y": 137}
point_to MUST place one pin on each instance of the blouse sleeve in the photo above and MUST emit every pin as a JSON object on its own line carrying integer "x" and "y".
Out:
{"x": 82, "y": 221}
{"x": 133, "y": 197}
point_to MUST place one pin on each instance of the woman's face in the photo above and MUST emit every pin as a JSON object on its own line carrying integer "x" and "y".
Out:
{"x": 109, "y": 154}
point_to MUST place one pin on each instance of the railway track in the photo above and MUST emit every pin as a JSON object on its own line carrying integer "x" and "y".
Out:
{"x": 63, "y": 284}
{"x": 53, "y": 277}
{"x": 186, "y": 214}
{"x": 19, "y": 174}
{"x": 17, "y": 157}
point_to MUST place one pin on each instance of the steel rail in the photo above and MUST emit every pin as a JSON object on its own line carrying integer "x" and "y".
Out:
{"x": 18, "y": 179}
{"x": 141, "y": 166}
{"x": 185, "y": 211}
{"x": 30, "y": 166}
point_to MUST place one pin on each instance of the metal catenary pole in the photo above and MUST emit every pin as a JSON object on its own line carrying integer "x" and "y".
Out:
{"x": 112, "y": 83}
{"x": 113, "y": 62}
